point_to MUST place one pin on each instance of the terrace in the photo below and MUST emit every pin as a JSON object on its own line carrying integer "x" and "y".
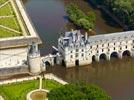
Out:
{"x": 16, "y": 33}
{"x": 16, "y": 28}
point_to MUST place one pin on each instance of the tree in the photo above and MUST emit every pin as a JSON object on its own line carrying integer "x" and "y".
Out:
{"x": 123, "y": 9}
{"x": 84, "y": 23}
{"x": 79, "y": 18}
{"x": 78, "y": 91}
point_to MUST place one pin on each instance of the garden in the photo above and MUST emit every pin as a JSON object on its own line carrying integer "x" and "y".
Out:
{"x": 18, "y": 91}
{"x": 9, "y": 25}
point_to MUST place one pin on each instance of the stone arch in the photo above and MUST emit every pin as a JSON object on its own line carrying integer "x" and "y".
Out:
{"x": 126, "y": 53}
{"x": 63, "y": 63}
{"x": 102, "y": 56}
{"x": 77, "y": 63}
{"x": 114, "y": 55}
{"x": 47, "y": 64}
{"x": 93, "y": 58}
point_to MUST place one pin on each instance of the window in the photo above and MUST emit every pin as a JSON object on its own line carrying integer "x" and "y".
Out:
{"x": 97, "y": 46}
{"x": 71, "y": 56}
{"x": 91, "y": 47}
{"x": 108, "y": 49}
{"x": 102, "y": 50}
{"x": 97, "y": 51}
{"x": 82, "y": 54}
{"x": 71, "y": 51}
{"x": 82, "y": 50}
{"x": 77, "y": 50}
{"x": 76, "y": 55}
{"x": 114, "y": 48}
{"x": 126, "y": 47}
{"x": 120, "y": 48}
{"x": 102, "y": 45}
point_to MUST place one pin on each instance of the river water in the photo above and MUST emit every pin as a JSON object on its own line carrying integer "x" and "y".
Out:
{"x": 115, "y": 76}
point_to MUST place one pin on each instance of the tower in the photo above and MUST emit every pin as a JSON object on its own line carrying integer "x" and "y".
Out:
{"x": 34, "y": 60}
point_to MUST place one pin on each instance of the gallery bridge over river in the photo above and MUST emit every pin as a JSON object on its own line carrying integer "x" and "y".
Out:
{"x": 77, "y": 49}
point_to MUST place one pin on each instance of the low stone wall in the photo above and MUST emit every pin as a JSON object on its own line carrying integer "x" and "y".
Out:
{"x": 18, "y": 80}
{"x": 8, "y": 72}
{"x": 54, "y": 77}
{"x": 46, "y": 76}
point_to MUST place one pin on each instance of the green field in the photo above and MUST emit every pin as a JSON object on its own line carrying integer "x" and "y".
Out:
{"x": 18, "y": 91}
{"x": 9, "y": 25}
{"x": 2, "y": 1}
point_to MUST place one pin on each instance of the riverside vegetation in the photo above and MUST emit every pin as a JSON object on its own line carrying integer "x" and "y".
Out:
{"x": 123, "y": 9}
{"x": 79, "y": 18}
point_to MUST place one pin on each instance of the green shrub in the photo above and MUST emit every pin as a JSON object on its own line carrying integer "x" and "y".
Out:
{"x": 78, "y": 92}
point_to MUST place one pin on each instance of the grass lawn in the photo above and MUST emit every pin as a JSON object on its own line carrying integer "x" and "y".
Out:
{"x": 18, "y": 91}
{"x": 10, "y": 23}
{"x": 6, "y": 33}
{"x": 2, "y": 1}
{"x": 6, "y": 10}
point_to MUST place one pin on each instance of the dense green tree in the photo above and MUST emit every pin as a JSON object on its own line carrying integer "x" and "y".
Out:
{"x": 79, "y": 18}
{"x": 123, "y": 9}
{"x": 84, "y": 23}
{"x": 78, "y": 92}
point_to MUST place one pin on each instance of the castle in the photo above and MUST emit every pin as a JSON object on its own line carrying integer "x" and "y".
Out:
{"x": 75, "y": 48}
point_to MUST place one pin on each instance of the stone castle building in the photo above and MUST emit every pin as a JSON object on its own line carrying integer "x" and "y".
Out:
{"x": 78, "y": 49}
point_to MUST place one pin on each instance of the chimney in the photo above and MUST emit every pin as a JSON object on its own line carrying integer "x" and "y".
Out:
{"x": 86, "y": 36}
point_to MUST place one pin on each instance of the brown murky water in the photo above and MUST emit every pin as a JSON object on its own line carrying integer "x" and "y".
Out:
{"x": 115, "y": 76}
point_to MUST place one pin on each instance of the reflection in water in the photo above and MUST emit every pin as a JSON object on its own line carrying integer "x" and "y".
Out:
{"x": 115, "y": 76}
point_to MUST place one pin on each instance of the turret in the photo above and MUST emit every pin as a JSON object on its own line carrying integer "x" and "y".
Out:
{"x": 34, "y": 59}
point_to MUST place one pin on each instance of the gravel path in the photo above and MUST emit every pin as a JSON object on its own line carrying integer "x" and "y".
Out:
{"x": 1, "y": 98}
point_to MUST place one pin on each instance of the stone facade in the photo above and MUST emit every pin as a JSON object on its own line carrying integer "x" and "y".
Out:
{"x": 77, "y": 49}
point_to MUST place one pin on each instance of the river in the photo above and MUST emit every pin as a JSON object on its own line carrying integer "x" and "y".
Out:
{"x": 115, "y": 76}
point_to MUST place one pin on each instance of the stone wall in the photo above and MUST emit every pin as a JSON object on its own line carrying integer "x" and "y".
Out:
{"x": 5, "y": 72}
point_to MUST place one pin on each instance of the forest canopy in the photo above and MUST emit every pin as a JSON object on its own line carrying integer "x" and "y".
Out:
{"x": 123, "y": 9}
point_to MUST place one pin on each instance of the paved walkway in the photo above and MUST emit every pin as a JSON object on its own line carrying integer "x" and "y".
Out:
{"x": 9, "y": 16}
{"x": 54, "y": 77}
{"x": 4, "y": 4}
{"x": 19, "y": 18}
{"x": 1, "y": 98}
{"x": 10, "y": 29}
{"x": 40, "y": 85}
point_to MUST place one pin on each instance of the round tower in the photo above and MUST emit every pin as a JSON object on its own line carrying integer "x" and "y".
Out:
{"x": 34, "y": 60}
